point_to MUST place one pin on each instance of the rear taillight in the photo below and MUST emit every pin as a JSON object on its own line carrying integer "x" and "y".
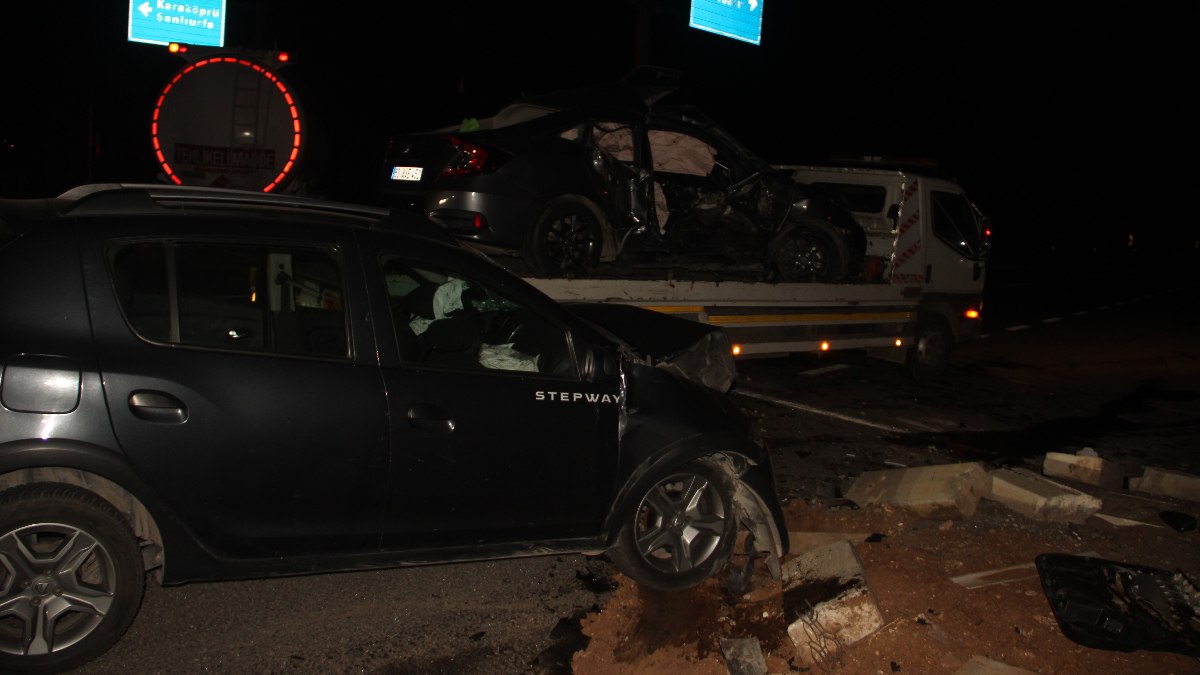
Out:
{"x": 470, "y": 159}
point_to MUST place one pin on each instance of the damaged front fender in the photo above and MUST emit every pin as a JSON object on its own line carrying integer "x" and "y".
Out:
{"x": 695, "y": 351}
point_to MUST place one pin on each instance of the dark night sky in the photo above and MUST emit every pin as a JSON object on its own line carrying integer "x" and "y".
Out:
{"x": 1066, "y": 118}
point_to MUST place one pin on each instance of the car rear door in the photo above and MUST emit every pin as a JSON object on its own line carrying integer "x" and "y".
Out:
{"x": 239, "y": 374}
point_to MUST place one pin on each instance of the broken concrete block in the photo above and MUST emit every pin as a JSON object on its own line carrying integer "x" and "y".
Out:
{"x": 828, "y": 601}
{"x": 1085, "y": 468}
{"x": 1169, "y": 483}
{"x": 1040, "y": 498}
{"x": 940, "y": 491}
{"x": 981, "y": 665}
{"x": 743, "y": 656}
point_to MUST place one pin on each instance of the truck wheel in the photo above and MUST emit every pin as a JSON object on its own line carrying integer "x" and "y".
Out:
{"x": 681, "y": 531}
{"x": 71, "y": 577}
{"x": 565, "y": 241}
{"x": 929, "y": 355}
{"x": 810, "y": 251}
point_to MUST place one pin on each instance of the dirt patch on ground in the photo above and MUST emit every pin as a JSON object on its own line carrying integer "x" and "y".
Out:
{"x": 930, "y": 623}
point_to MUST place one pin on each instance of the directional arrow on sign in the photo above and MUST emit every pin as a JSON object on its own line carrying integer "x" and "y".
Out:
{"x": 144, "y": 8}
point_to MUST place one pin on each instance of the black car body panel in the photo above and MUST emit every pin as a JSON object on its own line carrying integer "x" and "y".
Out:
{"x": 215, "y": 384}
{"x": 277, "y": 425}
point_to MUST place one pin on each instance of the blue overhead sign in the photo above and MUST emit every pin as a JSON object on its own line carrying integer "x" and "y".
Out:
{"x": 161, "y": 22}
{"x": 737, "y": 19}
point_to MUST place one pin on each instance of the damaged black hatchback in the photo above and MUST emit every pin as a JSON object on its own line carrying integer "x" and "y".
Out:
{"x": 213, "y": 384}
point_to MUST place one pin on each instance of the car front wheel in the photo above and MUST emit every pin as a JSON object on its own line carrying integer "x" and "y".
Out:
{"x": 681, "y": 531}
{"x": 71, "y": 577}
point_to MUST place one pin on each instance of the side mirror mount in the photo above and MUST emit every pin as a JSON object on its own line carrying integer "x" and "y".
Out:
{"x": 597, "y": 362}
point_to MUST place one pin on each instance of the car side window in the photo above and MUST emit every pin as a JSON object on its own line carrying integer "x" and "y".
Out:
{"x": 285, "y": 300}
{"x": 442, "y": 318}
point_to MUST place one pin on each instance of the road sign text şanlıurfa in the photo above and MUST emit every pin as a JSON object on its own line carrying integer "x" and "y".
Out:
{"x": 737, "y": 19}
{"x": 161, "y": 22}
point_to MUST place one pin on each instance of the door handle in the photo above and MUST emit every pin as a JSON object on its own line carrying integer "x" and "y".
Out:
{"x": 428, "y": 417}
{"x": 157, "y": 406}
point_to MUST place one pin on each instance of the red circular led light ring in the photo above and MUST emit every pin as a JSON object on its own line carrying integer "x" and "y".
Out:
{"x": 227, "y": 141}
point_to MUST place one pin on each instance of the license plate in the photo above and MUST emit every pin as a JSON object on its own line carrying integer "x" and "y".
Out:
{"x": 406, "y": 173}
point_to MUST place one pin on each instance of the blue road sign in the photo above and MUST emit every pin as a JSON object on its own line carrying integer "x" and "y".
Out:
{"x": 737, "y": 19}
{"x": 161, "y": 22}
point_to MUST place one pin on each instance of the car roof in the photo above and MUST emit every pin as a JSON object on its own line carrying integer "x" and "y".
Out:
{"x": 109, "y": 199}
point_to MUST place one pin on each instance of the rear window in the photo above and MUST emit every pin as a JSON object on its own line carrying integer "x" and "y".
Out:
{"x": 285, "y": 300}
{"x": 861, "y": 198}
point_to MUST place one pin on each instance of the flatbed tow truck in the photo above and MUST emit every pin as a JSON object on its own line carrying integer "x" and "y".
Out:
{"x": 920, "y": 291}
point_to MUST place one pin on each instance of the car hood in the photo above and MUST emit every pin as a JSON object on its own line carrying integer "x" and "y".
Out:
{"x": 694, "y": 350}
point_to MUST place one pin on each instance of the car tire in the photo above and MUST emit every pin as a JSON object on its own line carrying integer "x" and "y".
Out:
{"x": 680, "y": 530}
{"x": 811, "y": 251}
{"x": 71, "y": 577}
{"x": 929, "y": 355}
{"x": 565, "y": 241}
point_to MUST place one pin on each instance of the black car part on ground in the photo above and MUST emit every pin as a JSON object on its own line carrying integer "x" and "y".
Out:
{"x": 1106, "y": 604}
{"x": 215, "y": 384}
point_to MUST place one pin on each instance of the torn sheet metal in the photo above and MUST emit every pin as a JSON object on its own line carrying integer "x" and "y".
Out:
{"x": 697, "y": 351}
{"x": 1113, "y": 605}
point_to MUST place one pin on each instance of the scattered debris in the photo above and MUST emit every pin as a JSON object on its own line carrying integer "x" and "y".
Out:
{"x": 1180, "y": 522}
{"x": 1039, "y": 498}
{"x": 1122, "y": 522}
{"x": 743, "y": 656}
{"x": 1001, "y": 575}
{"x": 1106, "y": 604}
{"x": 1085, "y": 468}
{"x": 939, "y": 491}
{"x": 828, "y": 601}
{"x": 1169, "y": 483}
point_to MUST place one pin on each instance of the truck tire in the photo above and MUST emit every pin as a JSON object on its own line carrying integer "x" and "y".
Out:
{"x": 809, "y": 251}
{"x": 929, "y": 355}
{"x": 566, "y": 240}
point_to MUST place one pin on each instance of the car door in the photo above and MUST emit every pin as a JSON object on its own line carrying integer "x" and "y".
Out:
{"x": 956, "y": 244}
{"x": 240, "y": 383}
{"x": 495, "y": 437}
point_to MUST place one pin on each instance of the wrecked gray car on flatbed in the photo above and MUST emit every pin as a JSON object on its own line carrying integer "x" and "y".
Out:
{"x": 611, "y": 173}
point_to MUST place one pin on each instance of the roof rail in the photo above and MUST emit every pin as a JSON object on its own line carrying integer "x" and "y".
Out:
{"x": 99, "y": 198}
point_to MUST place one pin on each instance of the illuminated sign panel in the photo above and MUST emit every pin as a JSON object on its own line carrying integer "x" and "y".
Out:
{"x": 737, "y": 19}
{"x": 161, "y": 22}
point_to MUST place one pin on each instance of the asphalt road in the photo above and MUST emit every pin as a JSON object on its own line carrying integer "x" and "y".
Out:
{"x": 1123, "y": 379}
